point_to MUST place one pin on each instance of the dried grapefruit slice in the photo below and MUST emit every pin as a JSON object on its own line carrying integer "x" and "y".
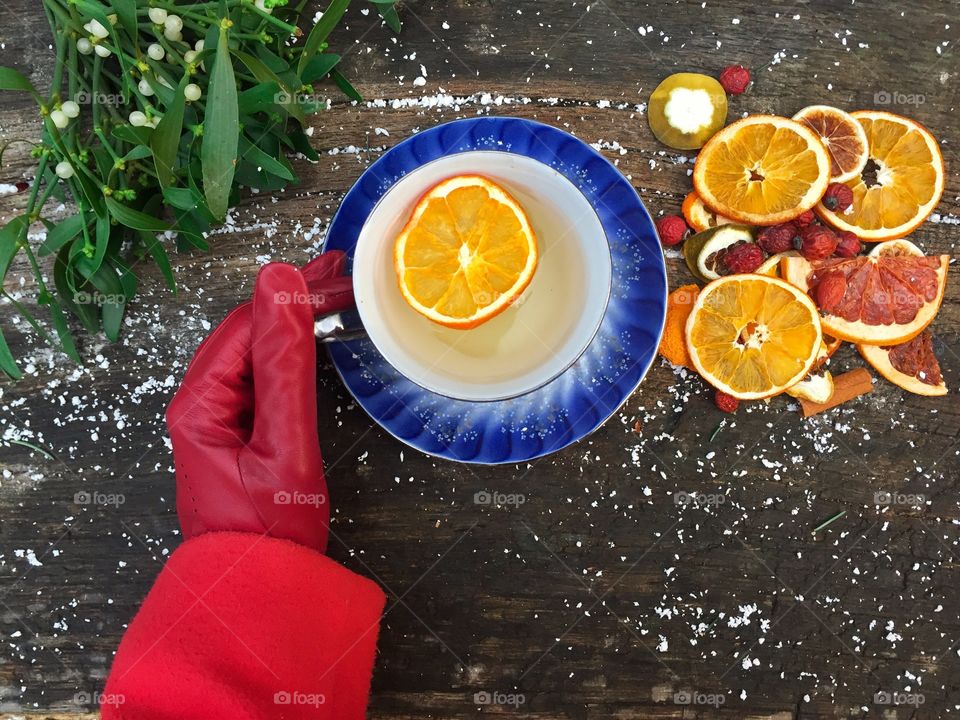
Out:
{"x": 886, "y": 299}
{"x": 910, "y": 365}
{"x": 699, "y": 216}
{"x": 467, "y": 252}
{"x": 843, "y": 136}
{"x": 762, "y": 170}
{"x": 900, "y": 186}
{"x": 753, "y": 336}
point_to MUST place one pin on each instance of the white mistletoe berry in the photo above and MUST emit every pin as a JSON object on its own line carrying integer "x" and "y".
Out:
{"x": 98, "y": 30}
{"x": 70, "y": 109}
{"x": 64, "y": 170}
{"x": 157, "y": 15}
{"x": 59, "y": 119}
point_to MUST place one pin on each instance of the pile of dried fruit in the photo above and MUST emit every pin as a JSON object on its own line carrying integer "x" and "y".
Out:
{"x": 780, "y": 211}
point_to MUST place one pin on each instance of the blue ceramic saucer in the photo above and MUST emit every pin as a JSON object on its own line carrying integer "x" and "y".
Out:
{"x": 577, "y": 402}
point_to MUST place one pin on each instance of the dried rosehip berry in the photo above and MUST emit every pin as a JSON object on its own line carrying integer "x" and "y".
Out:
{"x": 777, "y": 238}
{"x": 726, "y": 402}
{"x": 744, "y": 257}
{"x": 817, "y": 242}
{"x": 849, "y": 245}
{"x": 672, "y": 229}
{"x": 804, "y": 219}
{"x": 830, "y": 290}
{"x": 838, "y": 197}
{"x": 735, "y": 79}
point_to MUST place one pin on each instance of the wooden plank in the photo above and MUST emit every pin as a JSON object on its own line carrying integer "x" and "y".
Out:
{"x": 694, "y": 597}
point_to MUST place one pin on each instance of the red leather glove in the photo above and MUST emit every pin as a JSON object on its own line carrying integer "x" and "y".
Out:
{"x": 244, "y": 421}
{"x": 243, "y": 624}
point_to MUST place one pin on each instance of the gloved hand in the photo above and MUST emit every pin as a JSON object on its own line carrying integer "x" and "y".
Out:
{"x": 244, "y": 421}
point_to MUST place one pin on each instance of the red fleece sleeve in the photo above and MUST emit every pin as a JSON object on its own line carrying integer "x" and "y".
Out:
{"x": 241, "y": 626}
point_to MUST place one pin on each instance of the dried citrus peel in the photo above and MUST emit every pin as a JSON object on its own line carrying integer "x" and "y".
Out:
{"x": 673, "y": 344}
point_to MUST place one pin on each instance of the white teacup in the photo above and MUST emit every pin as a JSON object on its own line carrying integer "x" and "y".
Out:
{"x": 530, "y": 343}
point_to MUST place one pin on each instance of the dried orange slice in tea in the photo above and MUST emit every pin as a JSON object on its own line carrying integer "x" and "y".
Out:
{"x": 699, "y": 216}
{"x": 884, "y": 298}
{"x": 901, "y": 184}
{"x": 467, "y": 252}
{"x": 843, "y": 136}
{"x": 910, "y": 365}
{"x": 753, "y": 336}
{"x": 762, "y": 170}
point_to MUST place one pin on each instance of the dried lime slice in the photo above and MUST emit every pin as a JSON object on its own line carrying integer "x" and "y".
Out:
{"x": 686, "y": 110}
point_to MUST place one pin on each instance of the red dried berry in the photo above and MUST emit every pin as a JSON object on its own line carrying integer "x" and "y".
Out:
{"x": 849, "y": 245}
{"x": 726, "y": 402}
{"x": 672, "y": 229}
{"x": 830, "y": 290}
{"x": 817, "y": 242}
{"x": 838, "y": 197}
{"x": 777, "y": 238}
{"x": 735, "y": 79}
{"x": 22, "y": 187}
{"x": 744, "y": 257}
{"x": 804, "y": 219}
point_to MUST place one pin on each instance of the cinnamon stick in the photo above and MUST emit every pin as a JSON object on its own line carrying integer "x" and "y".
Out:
{"x": 845, "y": 387}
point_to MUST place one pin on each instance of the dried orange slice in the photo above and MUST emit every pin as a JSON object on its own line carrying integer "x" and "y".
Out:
{"x": 887, "y": 297}
{"x": 699, "y": 216}
{"x": 467, "y": 252}
{"x": 753, "y": 336}
{"x": 910, "y": 365}
{"x": 901, "y": 184}
{"x": 762, "y": 170}
{"x": 843, "y": 136}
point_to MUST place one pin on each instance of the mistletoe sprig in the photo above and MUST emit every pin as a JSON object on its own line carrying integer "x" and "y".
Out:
{"x": 159, "y": 113}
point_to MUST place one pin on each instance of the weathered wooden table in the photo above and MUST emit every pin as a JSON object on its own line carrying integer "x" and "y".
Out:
{"x": 600, "y": 596}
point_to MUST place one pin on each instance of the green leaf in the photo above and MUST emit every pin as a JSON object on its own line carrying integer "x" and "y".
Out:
{"x": 302, "y": 144}
{"x": 134, "y": 218}
{"x": 181, "y": 198}
{"x": 328, "y": 21}
{"x": 67, "y": 291}
{"x": 221, "y": 131}
{"x": 102, "y": 242}
{"x": 388, "y": 11}
{"x": 127, "y": 14}
{"x": 261, "y": 72}
{"x": 254, "y": 155}
{"x": 138, "y": 153}
{"x": 7, "y": 363}
{"x": 156, "y": 249}
{"x": 345, "y": 87}
{"x": 10, "y": 237}
{"x": 133, "y": 135}
{"x": 11, "y": 79}
{"x": 62, "y": 233}
{"x": 165, "y": 141}
{"x": 63, "y": 330}
{"x": 114, "y": 300}
{"x": 319, "y": 66}
{"x": 259, "y": 97}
